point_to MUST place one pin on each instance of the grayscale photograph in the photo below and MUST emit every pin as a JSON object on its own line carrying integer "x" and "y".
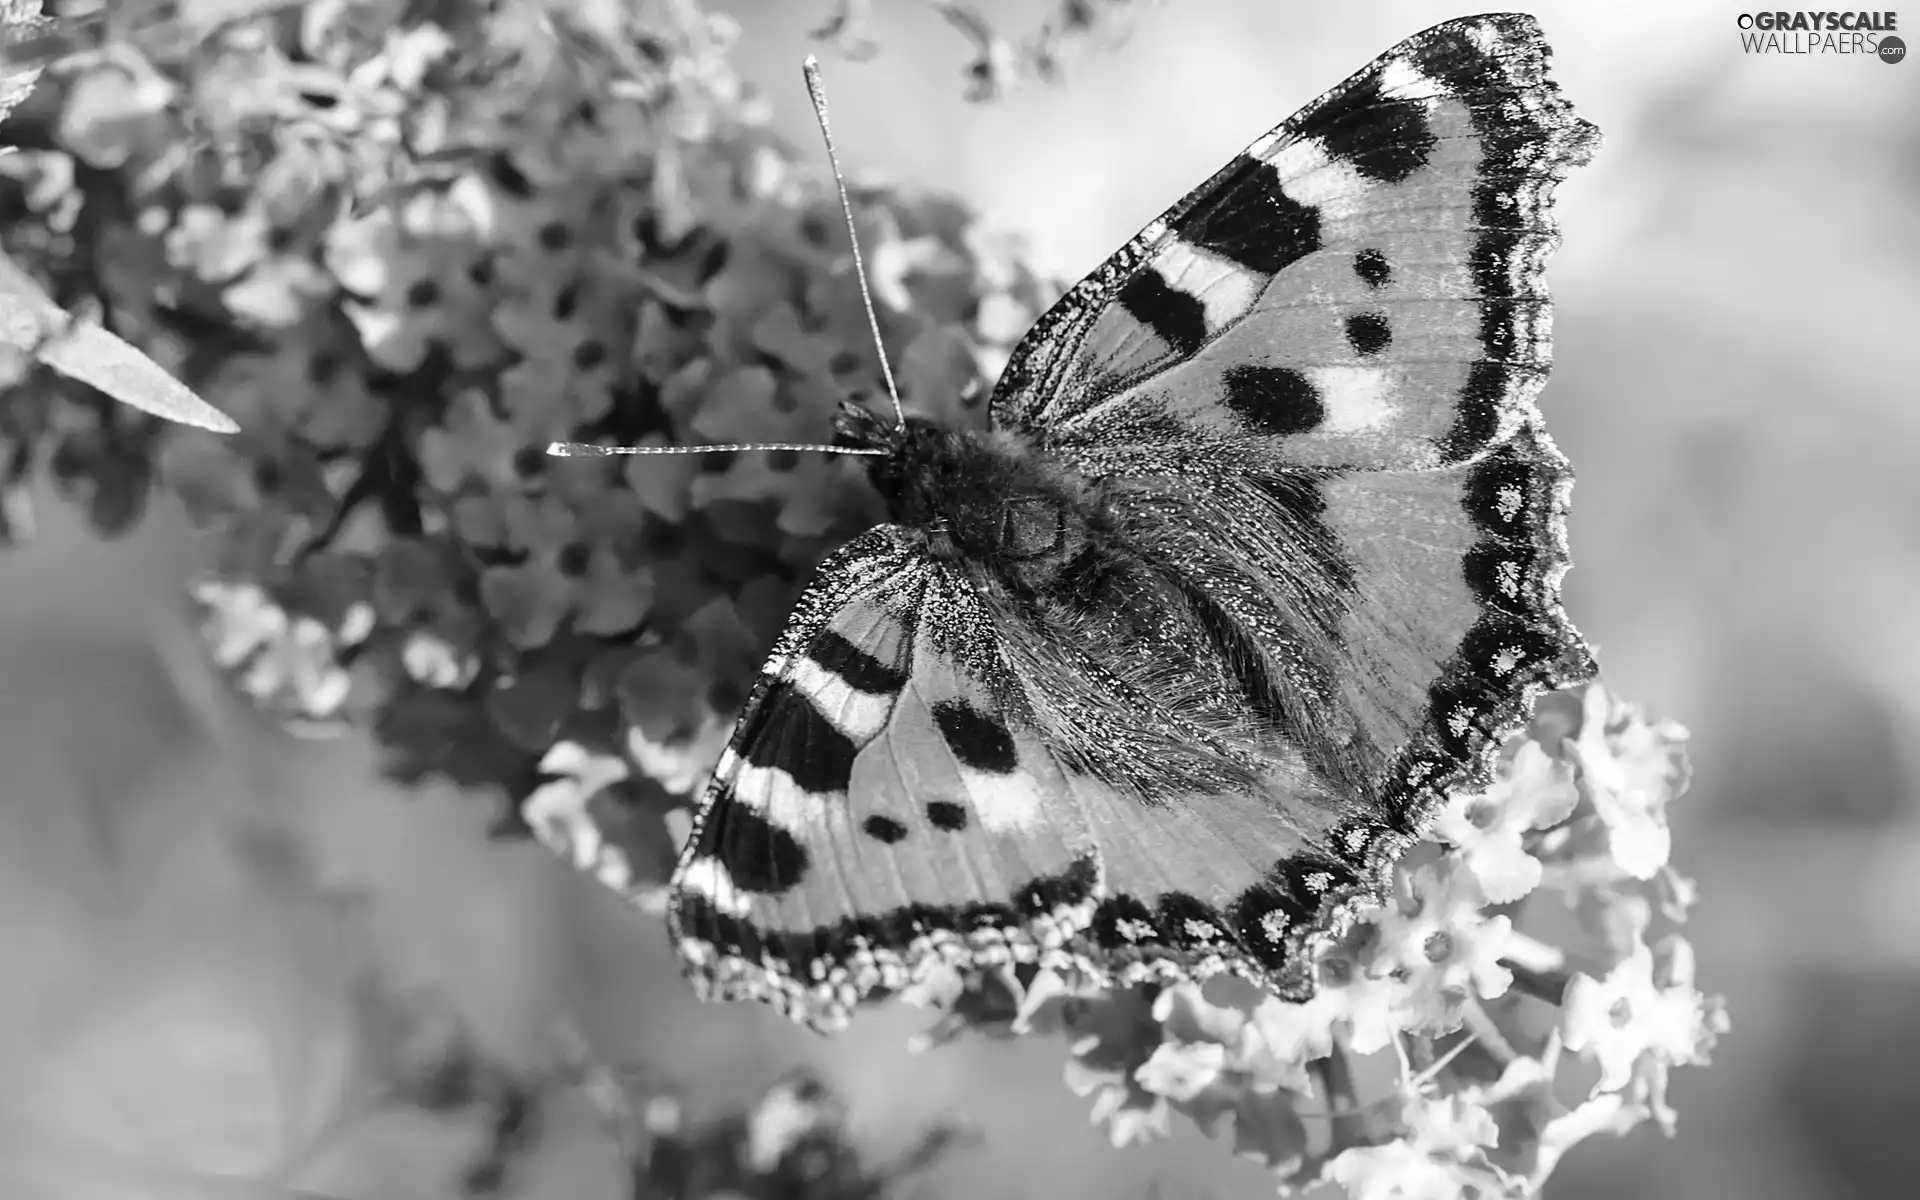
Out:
{"x": 922, "y": 599}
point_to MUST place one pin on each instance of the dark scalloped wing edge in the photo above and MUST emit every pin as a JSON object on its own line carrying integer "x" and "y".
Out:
{"x": 1574, "y": 665}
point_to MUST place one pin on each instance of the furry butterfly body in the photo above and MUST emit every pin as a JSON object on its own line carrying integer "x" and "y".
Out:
{"x": 1261, "y": 555}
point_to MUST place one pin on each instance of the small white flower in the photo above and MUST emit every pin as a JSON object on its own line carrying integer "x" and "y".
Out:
{"x": 1281, "y": 1037}
{"x": 1399, "y": 1171}
{"x": 1625, "y": 1016}
{"x": 1631, "y": 769}
{"x": 1445, "y": 948}
{"x": 1442, "y": 1155}
{"x": 1181, "y": 1070}
{"x": 1536, "y": 791}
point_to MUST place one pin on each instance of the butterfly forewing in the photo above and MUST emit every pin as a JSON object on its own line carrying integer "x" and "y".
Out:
{"x": 1363, "y": 285}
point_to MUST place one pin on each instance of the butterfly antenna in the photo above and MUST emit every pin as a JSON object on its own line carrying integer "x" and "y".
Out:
{"x": 816, "y": 92}
{"x": 595, "y": 450}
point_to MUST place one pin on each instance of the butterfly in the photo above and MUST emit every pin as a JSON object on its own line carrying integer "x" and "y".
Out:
{"x": 1156, "y": 677}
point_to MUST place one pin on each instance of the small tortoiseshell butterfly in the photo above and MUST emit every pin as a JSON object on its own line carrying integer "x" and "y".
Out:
{"x": 1156, "y": 677}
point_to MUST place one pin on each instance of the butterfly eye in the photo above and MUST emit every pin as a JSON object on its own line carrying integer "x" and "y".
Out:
{"x": 1034, "y": 526}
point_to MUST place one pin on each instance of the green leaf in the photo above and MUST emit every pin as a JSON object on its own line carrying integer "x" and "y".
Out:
{"x": 30, "y": 320}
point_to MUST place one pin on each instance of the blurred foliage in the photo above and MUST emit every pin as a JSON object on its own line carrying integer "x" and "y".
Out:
{"x": 406, "y": 245}
{"x": 791, "y": 1143}
{"x": 1000, "y": 61}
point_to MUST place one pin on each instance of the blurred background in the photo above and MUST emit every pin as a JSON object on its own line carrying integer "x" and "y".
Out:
{"x": 1735, "y": 382}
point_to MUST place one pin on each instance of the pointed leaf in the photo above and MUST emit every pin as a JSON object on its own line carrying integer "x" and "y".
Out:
{"x": 31, "y": 320}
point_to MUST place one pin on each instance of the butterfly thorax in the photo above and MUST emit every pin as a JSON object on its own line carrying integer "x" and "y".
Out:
{"x": 1039, "y": 546}
{"x": 980, "y": 498}
{"x": 1198, "y": 688}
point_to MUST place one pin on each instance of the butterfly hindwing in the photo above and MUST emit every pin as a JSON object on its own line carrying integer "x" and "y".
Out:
{"x": 890, "y": 801}
{"x": 881, "y": 802}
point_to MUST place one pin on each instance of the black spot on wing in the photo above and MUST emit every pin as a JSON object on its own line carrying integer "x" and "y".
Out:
{"x": 1369, "y": 333}
{"x": 759, "y": 855}
{"x": 945, "y": 814}
{"x": 1385, "y": 140}
{"x": 979, "y": 740}
{"x": 856, "y": 668}
{"x": 884, "y": 829}
{"x": 1372, "y": 267}
{"x": 787, "y": 732}
{"x": 1248, "y": 217}
{"x": 1178, "y": 317}
{"x": 1273, "y": 400}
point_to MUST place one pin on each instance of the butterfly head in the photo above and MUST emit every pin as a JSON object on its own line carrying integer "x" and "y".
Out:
{"x": 975, "y": 496}
{"x": 857, "y": 427}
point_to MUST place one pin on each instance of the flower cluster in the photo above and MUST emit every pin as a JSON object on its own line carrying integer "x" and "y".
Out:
{"x": 1448, "y": 1023}
{"x": 791, "y": 1142}
{"x": 405, "y": 261}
